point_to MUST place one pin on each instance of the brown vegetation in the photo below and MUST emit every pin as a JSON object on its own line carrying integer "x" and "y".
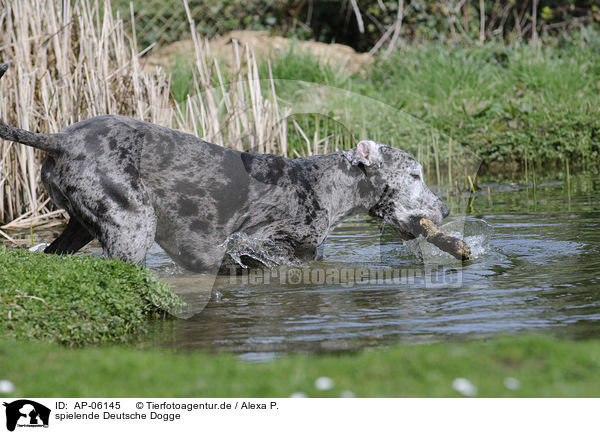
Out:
{"x": 72, "y": 62}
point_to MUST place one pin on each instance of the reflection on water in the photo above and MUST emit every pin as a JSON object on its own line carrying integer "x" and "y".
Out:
{"x": 536, "y": 268}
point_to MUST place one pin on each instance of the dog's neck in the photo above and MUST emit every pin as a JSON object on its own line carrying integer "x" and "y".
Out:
{"x": 342, "y": 192}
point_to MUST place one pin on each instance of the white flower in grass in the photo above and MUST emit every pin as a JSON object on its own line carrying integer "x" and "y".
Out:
{"x": 512, "y": 383}
{"x": 324, "y": 383}
{"x": 6, "y": 387}
{"x": 464, "y": 387}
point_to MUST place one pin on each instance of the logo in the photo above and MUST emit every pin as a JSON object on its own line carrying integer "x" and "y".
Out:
{"x": 26, "y": 413}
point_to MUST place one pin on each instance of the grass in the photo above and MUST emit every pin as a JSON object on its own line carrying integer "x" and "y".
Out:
{"x": 502, "y": 103}
{"x": 545, "y": 367}
{"x": 77, "y": 301}
{"x": 301, "y": 65}
{"x": 506, "y": 104}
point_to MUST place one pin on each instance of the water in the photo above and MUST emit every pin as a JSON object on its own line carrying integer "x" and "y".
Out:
{"x": 535, "y": 268}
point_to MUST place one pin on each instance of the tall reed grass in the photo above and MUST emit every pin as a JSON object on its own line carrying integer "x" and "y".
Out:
{"x": 69, "y": 61}
{"x": 73, "y": 60}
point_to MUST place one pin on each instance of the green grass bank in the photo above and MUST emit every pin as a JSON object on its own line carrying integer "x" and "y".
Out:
{"x": 506, "y": 104}
{"x": 543, "y": 367}
{"x": 77, "y": 301}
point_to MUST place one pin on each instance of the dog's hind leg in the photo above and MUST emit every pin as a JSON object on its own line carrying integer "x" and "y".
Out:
{"x": 121, "y": 219}
{"x": 128, "y": 236}
{"x": 73, "y": 238}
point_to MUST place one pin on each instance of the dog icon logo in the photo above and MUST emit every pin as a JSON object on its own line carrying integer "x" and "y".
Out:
{"x": 26, "y": 413}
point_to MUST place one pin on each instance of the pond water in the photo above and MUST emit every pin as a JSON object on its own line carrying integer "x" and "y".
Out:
{"x": 536, "y": 268}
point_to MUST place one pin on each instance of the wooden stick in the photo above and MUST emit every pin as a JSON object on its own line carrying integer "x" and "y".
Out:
{"x": 442, "y": 240}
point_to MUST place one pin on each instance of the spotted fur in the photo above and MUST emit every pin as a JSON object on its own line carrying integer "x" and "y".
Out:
{"x": 129, "y": 183}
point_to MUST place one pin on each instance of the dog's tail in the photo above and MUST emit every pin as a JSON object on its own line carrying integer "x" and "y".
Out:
{"x": 45, "y": 142}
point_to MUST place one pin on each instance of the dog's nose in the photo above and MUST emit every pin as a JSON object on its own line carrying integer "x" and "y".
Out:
{"x": 445, "y": 210}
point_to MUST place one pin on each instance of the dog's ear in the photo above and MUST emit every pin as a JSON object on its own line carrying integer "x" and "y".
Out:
{"x": 366, "y": 152}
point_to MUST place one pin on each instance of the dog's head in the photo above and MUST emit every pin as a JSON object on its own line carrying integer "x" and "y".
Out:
{"x": 396, "y": 189}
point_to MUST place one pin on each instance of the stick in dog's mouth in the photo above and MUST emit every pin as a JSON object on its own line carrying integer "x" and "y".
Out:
{"x": 442, "y": 240}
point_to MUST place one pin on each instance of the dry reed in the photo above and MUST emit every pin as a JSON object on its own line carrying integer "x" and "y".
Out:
{"x": 74, "y": 60}
{"x": 67, "y": 64}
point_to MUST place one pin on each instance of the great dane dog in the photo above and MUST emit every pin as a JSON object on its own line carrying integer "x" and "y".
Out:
{"x": 129, "y": 183}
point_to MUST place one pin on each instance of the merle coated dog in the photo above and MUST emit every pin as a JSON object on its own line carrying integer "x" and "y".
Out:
{"x": 129, "y": 183}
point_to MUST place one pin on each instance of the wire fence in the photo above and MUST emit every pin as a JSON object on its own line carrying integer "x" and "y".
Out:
{"x": 365, "y": 25}
{"x": 166, "y": 21}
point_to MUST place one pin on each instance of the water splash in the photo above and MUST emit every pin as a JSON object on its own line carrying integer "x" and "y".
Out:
{"x": 39, "y": 247}
{"x": 475, "y": 232}
{"x": 244, "y": 249}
